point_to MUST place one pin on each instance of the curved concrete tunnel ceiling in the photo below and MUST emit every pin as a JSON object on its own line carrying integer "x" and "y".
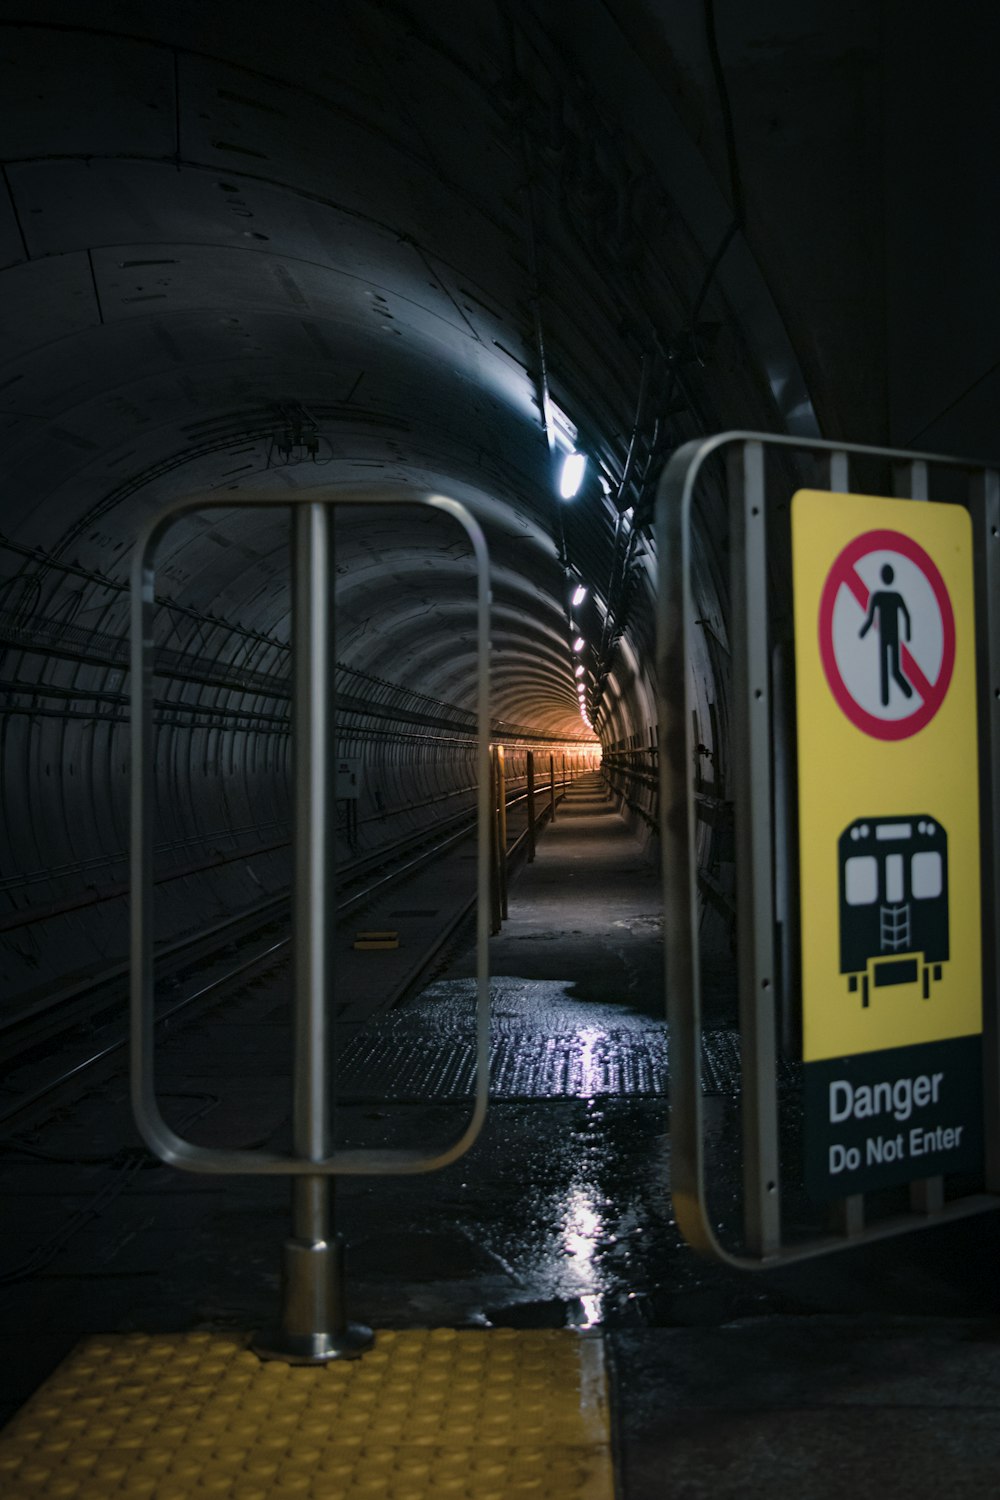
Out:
{"x": 410, "y": 248}
{"x": 217, "y": 233}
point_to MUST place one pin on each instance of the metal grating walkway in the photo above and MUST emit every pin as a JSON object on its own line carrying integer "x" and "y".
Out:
{"x": 577, "y": 1065}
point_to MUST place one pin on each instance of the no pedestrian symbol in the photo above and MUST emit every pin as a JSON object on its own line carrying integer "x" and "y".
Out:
{"x": 886, "y": 634}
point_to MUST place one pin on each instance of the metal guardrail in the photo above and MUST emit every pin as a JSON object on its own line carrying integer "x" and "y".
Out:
{"x": 765, "y": 884}
{"x": 313, "y": 1326}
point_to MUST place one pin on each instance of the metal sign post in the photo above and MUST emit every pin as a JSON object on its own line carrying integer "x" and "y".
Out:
{"x": 865, "y": 643}
{"x": 313, "y": 1326}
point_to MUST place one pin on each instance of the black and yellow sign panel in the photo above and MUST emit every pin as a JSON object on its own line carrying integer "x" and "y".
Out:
{"x": 888, "y": 820}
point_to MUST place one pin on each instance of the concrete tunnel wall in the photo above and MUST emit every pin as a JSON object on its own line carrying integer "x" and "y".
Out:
{"x": 233, "y": 262}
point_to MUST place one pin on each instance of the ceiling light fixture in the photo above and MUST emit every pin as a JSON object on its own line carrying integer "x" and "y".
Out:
{"x": 579, "y": 670}
{"x": 571, "y": 475}
{"x": 580, "y": 595}
{"x": 579, "y": 643}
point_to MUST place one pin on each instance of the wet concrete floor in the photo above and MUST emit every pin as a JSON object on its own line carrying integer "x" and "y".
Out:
{"x": 872, "y": 1372}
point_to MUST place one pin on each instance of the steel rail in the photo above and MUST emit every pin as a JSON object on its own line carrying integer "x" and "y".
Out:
{"x": 228, "y": 930}
{"x": 171, "y": 1010}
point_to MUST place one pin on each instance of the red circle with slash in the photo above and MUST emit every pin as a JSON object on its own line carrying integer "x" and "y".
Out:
{"x": 844, "y": 574}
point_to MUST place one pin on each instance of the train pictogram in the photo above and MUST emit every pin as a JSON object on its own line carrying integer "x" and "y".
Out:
{"x": 894, "y": 926}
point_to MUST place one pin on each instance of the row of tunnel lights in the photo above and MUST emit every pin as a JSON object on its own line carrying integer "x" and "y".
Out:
{"x": 573, "y": 467}
{"x": 571, "y": 472}
{"x": 578, "y": 670}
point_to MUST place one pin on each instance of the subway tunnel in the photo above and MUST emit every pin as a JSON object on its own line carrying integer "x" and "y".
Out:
{"x": 395, "y": 251}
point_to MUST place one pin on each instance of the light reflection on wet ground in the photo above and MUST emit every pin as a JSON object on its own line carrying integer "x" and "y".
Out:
{"x": 544, "y": 1044}
{"x": 561, "y": 1213}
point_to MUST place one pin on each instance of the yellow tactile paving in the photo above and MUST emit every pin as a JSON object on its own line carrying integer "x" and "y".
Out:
{"x": 491, "y": 1414}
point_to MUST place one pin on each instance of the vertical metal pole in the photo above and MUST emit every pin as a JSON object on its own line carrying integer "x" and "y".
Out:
{"x": 564, "y": 773}
{"x": 910, "y": 482}
{"x": 754, "y": 860}
{"x": 495, "y": 902}
{"x": 786, "y": 853}
{"x": 927, "y": 1195}
{"x": 839, "y": 473}
{"x": 552, "y": 788}
{"x": 531, "y": 805}
{"x": 678, "y": 853}
{"x": 502, "y": 828}
{"x": 314, "y": 1325}
{"x": 846, "y": 1215}
{"x": 986, "y": 554}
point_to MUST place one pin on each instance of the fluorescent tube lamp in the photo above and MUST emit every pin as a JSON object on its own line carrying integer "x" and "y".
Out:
{"x": 578, "y": 644}
{"x": 571, "y": 474}
{"x": 579, "y": 596}
{"x": 579, "y": 670}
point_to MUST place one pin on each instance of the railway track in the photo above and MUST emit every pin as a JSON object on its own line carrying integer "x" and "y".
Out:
{"x": 49, "y": 1050}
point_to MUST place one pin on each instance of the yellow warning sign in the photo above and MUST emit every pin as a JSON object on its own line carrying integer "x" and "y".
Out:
{"x": 887, "y": 773}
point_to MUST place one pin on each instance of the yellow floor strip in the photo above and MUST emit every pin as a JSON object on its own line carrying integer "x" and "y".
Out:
{"x": 492, "y": 1414}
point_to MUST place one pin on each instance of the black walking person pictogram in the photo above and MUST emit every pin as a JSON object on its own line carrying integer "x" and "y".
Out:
{"x": 888, "y": 605}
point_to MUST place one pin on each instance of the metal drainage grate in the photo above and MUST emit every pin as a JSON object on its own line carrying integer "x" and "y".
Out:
{"x": 625, "y": 1064}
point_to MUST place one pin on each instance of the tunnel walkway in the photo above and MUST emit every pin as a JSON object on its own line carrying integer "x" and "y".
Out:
{"x": 585, "y": 909}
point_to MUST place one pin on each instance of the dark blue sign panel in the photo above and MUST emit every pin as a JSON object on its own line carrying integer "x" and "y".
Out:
{"x": 883, "y": 1117}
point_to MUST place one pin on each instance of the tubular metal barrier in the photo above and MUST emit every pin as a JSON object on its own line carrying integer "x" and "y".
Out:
{"x": 763, "y": 769}
{"x": 313, "y": 1325}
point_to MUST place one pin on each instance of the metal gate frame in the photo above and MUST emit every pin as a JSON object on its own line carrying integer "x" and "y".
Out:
{"x": 311, "y": 702}
{"x": 758, "y": 866}
{"x": 313, "y": 735}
